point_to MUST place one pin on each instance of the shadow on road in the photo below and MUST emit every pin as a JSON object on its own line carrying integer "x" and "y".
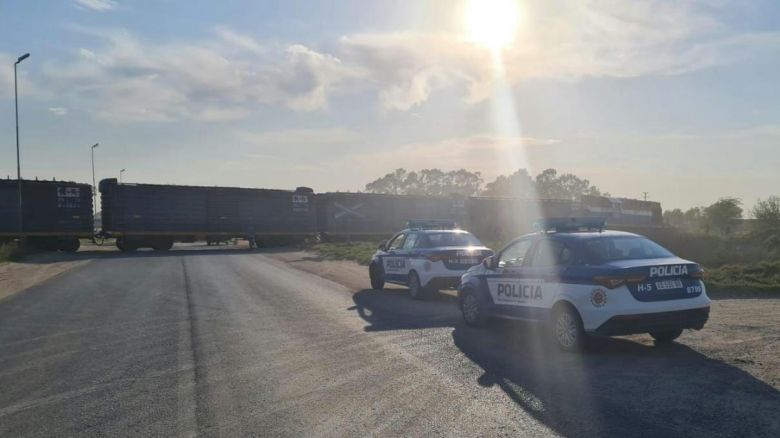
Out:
{"x": 618, "y": 387}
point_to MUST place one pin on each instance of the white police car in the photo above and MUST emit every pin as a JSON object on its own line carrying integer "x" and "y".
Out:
{"x": 427, "y": 256}
{"x": 582, "y": 280}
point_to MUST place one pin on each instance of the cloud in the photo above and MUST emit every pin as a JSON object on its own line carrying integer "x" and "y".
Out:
{"x": 492, "y": 155}
{"x": 567, "y": 41}
{"x": 58, "y": 111}
{"x": 299, "y": 137}
{"x": 96, "y": 5}
{"x": 407, "y": 67}
{"x": 125, "y": 79}
{"x": 86, "y": 53}
{"x": 228, "y": 75}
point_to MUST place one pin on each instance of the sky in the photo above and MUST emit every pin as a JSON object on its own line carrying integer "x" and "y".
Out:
{"x": 679, "y": 99}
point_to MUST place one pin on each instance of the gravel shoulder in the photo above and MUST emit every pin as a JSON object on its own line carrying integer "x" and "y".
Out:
{"x": 36, "y": 269}
{"x": 741, "y": 332}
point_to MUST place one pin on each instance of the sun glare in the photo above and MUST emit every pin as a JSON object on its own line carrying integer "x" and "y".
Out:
{"x": 492, "y": 23}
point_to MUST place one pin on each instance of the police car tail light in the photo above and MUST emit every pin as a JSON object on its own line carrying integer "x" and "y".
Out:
{"x": 697, "y": 274}
{"x": 615, "y": 282}
{"x": 434, "y": 258}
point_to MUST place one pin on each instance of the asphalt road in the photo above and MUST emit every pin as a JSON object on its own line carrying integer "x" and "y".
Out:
{"x": 235, "y": 343}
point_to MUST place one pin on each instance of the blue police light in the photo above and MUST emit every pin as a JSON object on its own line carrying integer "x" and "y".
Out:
{"x": 561, "y": 224}
{"x": 431, "y": 224}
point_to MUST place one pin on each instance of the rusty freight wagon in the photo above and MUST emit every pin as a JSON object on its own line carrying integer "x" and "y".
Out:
{"x": 369, "y": 214}
{"x": 156, "y": 216}
{"x": 55, "y": 214}
{"x": 623, "y": 211}
{"x": 500, "y": 218}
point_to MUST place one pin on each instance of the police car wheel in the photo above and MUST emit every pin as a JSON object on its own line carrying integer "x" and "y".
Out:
{"x": 567, "y": 329}
{"x": 416, "y": 291}
{"x": 377, "y": 282}
{"x": 666, "y": 336}
{"x": 472, "y": 311}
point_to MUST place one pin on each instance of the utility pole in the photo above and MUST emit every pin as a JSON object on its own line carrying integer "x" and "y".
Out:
{"x": 20, "y": 218}
{"x": 645, "y": 195}
{"x": 120, "y": 175}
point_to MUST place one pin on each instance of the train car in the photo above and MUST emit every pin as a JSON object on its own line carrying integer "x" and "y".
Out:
{"x": 156, "y": 216}
{"x": 498, "y": 218}
{"x": 623, "y": 211}
{"x": 55, "y": 214}
{"x": 370, "y": 214}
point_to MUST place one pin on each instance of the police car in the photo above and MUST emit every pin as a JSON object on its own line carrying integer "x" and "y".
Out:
{"x": 426, "y": 257}
{"x": 582, "y": 280}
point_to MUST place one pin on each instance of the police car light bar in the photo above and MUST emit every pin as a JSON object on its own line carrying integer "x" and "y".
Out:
{"x": 428, "y": 224}
{"x": 571, "y": 224}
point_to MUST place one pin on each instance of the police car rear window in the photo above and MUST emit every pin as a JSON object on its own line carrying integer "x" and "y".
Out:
{"x": 607, "y": 249}
{"x": 434, "y": 240}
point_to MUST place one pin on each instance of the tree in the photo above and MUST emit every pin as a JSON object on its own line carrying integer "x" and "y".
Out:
{"x": 428, "y": 182}
{"x": 517, "y": 185}
{"x": 674, "y": 218}
{"x": 767, "y": 213}
{"x": 520, "y": 184}
{"x": 690, "y": 220}
{"x": 566, "y": 186}
{"x": 393, "y": 183}
{"x": 724, "y": 214}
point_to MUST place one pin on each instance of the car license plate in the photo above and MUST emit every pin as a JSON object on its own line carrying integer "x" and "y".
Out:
{"x": 668, "y": 284}
{"x": 465, "y": 261}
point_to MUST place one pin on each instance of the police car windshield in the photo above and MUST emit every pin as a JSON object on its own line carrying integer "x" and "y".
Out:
{"x": 613, "y": 248}
{"x": 434, "y": 240}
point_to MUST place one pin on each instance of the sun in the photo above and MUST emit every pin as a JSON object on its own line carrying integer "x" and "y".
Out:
{"x": 492, "y": 23}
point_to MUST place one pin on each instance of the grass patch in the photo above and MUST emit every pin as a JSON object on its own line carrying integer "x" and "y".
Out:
{"x": 360, "y": 252}
{"x": 762, "y": 276}
{"x": 10, "y": 253}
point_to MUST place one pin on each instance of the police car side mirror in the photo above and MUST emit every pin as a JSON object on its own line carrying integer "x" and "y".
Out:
{"x": 381, "y": 246}
{"x": 487, "y": 262}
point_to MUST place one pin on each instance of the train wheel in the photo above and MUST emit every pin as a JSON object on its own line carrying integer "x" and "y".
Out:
{"x": 69, "y": 245}
{"x": 125, "y": 246}
{"x": 163, "y": 245}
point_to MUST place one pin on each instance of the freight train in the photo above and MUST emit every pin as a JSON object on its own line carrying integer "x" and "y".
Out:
{"x": 55, "y": 214}
{"x": 155, "y": 216}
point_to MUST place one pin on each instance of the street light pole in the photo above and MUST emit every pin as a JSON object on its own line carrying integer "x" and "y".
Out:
{"x": 120, "y": 175}
{"x": 18, "y": 160}
{"x": 94, "y": 187}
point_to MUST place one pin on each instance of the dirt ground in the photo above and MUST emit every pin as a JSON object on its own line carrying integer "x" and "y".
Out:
{"x": 35, "y": 269}
{"x": 741, "y": 332}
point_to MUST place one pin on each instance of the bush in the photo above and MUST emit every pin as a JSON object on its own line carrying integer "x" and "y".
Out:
{"x": 710, "y": 250}
{"x": 9, "y": 252}
{"x": 759, "y": 277}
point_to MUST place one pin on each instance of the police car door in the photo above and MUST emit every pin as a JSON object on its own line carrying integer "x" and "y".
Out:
{"x": 544, "y": 271}
{"x": 505, "y": 283}
{"x": 411, "y": 253}
{"x": 394, "y": 261}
